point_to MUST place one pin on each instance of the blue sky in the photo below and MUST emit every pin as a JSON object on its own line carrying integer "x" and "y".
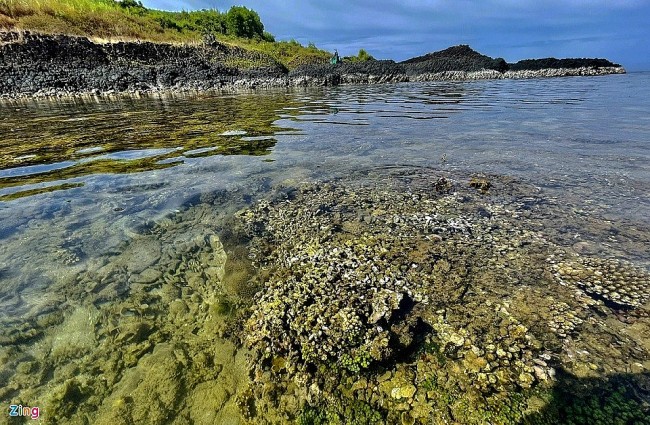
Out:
{"x": 618, "y": 30}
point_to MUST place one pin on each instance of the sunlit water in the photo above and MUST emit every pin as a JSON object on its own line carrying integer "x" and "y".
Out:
{"x": 79, "y": 179}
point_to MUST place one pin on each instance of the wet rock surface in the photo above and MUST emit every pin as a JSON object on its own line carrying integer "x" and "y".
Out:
{"x": 58, "y": 65}
{"x": 420, "y": 298}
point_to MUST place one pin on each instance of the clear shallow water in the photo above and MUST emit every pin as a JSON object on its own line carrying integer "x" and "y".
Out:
{"x": 575, "y": 129}
{"x": 127, "y": 161}
{"x": 80, "y": 178}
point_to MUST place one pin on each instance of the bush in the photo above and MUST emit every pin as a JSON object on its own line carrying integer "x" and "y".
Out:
{"x": 362, "y": 56}
{"x": 208, "y": 21}
{"x": 168, "y": 23}
{"x": 131, "y": 3}
{"x": 243, "y": 22}
{"x": 267, "y": 36}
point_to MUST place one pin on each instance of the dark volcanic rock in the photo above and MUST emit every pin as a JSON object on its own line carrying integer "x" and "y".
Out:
{"x": 53, "y": 65}
{"x": 552, "y": 63}
{"x": 456, "y": 58}
{"x": 376, "y": 67}
{"x": 30, "y": 63}
{"x": 356, "y": 72}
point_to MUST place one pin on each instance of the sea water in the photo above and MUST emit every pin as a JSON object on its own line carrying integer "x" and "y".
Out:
{"x": 106, "y": 201}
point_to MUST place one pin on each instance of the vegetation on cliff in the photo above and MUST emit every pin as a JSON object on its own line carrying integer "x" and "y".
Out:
{"x": 362, "y": 56}
{"x": 129, "y": 20}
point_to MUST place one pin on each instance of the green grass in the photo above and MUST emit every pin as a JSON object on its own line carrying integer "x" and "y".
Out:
{"x": 107, "y": 20}
{"x": 104, "y": 19}
{"x": 290, "y": 53}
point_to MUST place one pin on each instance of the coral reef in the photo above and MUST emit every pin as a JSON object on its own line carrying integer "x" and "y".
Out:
{"x": 614, "y": 281}
{"x": 408, "y": 297}
{"x": 420, "y": 298}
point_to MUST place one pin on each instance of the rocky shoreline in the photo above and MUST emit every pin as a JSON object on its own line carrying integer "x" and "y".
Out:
{"x": 35, "y": 65}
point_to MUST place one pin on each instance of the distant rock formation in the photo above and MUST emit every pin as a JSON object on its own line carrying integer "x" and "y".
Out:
{"x": 455, "y": 63}
{"x": 455, "y": 58}
{"x": 552, "y": 63}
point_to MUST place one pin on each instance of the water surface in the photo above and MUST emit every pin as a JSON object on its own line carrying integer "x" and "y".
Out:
{"x": 96, "y": 192}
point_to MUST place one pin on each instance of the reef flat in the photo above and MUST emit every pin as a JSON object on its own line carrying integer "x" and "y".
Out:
{"x": 422, "y": 299}
{"x": 138, "y": 336}
{"x": 391, "y": 296}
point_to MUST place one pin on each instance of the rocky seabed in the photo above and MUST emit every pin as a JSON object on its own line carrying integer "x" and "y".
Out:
{"x": 409, "y": 296}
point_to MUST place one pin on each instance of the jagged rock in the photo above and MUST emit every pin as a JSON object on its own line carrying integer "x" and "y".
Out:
{"x": 55, "y": 65}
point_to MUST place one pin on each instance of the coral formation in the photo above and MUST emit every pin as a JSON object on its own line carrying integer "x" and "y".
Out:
{"x": 421, "y": 299}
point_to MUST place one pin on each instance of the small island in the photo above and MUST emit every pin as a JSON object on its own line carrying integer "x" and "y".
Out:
{"x": 46, "y": 52}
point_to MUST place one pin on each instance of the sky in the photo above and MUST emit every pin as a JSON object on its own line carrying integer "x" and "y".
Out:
{"x": 618, "y": 30}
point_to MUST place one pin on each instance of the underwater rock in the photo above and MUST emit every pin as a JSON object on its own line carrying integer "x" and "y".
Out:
{"x": 480, "y": 183}
{"x": 586, "y": 248}
{"x": 140, "y": 254}
{"x": 148, "y": 276}
{"x": 618, "y": 283}
{"x": 383, "y": 303}
{"x": 135, "y": 333}
{"x": 158, "y": 378}
{"x": 430, "y": 303}
{"x": 77, "y": 334}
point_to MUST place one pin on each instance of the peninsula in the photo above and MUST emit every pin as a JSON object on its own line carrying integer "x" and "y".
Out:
{"x": 42, "y": 54}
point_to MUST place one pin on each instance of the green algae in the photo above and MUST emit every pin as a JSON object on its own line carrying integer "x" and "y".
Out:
{"x": 31, "y": 192}
{"x": 613, "y": 400}
{"x": 352, "y": 412}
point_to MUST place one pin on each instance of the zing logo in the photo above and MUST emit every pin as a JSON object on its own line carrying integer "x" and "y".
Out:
{"x": 24, "y": 411}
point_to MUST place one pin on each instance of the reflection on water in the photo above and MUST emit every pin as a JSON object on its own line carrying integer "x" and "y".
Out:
{"x": 114, "y": 234}
{"x": 47, "y": 142}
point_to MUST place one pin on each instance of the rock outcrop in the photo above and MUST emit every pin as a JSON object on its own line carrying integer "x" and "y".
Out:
{"x": 54, "y": 65}
{"x": 32, "y": 64}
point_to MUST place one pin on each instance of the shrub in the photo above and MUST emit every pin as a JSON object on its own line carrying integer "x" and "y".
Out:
{"x": 243, "y": 22}
{"x": 364, "y": 56}
{"x": 267, "y": 36}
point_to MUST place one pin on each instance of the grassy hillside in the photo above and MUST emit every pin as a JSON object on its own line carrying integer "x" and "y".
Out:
{"x": 110, "y": 20}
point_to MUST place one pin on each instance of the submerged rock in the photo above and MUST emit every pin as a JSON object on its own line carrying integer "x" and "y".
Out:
{"x": 140, "y": 336}
{"x": 416, "y": 296}
{"x": 616, "y": 282}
